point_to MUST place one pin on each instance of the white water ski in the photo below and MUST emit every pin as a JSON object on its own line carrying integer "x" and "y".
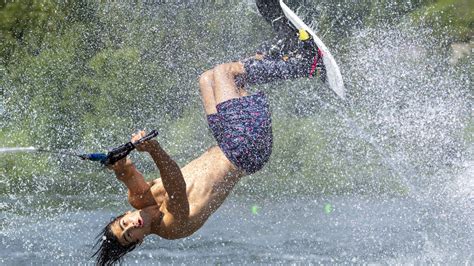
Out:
{"x": 334, "y": 77}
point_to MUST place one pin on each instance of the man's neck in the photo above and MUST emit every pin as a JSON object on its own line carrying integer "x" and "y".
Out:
{"x": 156, "y": 215}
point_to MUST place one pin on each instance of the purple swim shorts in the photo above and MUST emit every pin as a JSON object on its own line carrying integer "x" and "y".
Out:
{"x": 243, "y": 129}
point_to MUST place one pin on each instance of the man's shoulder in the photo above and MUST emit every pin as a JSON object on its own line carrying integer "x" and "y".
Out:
{"x": 172, "y": 227}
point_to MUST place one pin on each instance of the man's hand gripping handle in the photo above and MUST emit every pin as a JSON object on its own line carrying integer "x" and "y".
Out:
{"x": 122, "y": 151}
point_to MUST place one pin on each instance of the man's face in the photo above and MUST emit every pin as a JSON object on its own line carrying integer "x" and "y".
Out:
{"x": 132, "y": 227}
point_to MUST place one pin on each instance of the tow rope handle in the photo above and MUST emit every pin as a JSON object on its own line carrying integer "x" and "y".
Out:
{"x": 118, "y": 153}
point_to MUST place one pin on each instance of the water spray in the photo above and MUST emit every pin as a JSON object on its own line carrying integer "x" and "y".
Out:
{"x": 108, "y": 158}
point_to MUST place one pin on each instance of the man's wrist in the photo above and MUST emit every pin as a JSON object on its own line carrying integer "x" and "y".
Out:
{"x": 122, "y": 170}
{"x": 154, "y": 146}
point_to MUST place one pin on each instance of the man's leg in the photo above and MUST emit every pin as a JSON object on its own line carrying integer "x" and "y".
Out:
{"x": 226, "y": 88}
{"x": 291, "y": 57}
{"x": 242, "y": 128}
{"x": 206, "y": 85}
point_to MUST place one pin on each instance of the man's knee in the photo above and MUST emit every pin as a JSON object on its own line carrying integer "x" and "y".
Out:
{"x": 233, "y": 69}
{"x": 206, "y": 78}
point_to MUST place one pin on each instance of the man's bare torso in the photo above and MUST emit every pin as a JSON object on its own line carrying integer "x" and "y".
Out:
{"x": 209, "y": 180}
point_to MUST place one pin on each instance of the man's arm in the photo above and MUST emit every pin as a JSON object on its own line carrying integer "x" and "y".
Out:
{"x": 171, "y": 177}
{"x": 139, "y": 194}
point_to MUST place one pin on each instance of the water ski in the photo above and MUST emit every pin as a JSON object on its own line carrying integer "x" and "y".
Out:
{"x": 283, "y": 19}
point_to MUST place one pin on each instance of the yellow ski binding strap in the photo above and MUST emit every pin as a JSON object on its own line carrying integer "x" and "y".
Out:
{"x": 303, "y": 35}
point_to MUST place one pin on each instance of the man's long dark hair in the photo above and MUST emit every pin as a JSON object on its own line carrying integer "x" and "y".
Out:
{"x": 110, "y": 250}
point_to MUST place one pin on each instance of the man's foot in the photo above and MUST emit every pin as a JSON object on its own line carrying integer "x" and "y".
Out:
{"x": 302, "y": 47}
{"x": 293, "y": 56}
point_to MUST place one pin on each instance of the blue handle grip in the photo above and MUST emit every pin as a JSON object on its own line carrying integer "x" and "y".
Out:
{"x": 97, "y": 157}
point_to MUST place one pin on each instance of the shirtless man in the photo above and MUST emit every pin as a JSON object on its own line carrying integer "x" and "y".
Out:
{"x": 180, "y": 202}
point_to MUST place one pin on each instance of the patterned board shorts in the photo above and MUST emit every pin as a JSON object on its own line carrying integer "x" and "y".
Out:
{"x": 243, "y": 129}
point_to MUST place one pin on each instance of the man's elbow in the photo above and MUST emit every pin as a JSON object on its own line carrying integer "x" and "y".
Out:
{"x": 135, "y": 203}
{"x": 138, "y": 202}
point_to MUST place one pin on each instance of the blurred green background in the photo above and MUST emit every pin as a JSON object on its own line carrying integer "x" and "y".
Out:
{"x": 84, "y": 75}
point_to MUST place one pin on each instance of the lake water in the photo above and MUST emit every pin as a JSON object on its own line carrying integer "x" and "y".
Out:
{"x": 300, "y": 230}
